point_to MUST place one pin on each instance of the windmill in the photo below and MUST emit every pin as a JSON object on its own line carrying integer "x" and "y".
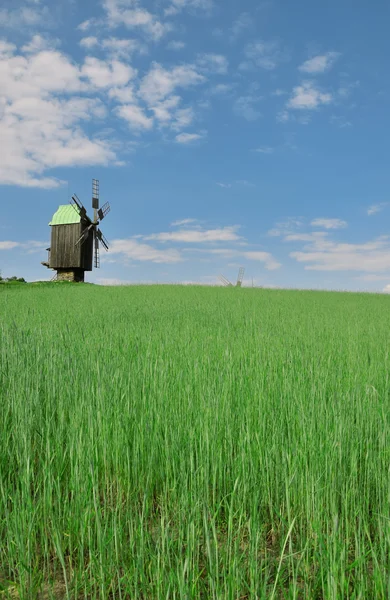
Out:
{"x": 75, "y": 238}
{"x": 240, "y": 277}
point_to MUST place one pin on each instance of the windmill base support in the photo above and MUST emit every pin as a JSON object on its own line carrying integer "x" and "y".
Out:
{"x": 70, "y": 275}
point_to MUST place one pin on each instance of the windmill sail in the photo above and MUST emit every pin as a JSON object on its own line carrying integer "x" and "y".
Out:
{"x": 240, "y": 276}
{"x": 225, "y": 281}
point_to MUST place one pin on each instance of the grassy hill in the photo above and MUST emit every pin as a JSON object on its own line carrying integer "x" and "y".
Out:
{"x": 185, "y": 442}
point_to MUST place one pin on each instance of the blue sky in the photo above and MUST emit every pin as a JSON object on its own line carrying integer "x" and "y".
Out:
{"x": 222, "y": 133}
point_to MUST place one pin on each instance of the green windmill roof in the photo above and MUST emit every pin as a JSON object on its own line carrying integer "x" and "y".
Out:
{"x": 66, "y": 214}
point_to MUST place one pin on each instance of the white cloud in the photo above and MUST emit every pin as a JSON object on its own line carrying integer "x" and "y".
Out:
{"x": 115, "y": 47}
{"x": 269, "y": 261}
{"x": 245, "y": 182}
{"x": 306, "y": 96}
{"x": 85, "y": 25}
{"x": 183, "y": 118}
{"x": 24, "y": 16}
{"x": 386, "y": 289}
{"x": 372, "y": 277}
{"x": 107, "y": 74}
{"x": 243, "y": 22}
{"x": 44, "y": 106}
{"x": 320, "y": 63}
{"x": 134, "y": 250}
{"x": 265, "y": 150}
{"x": 188, "y": 138}
{"x": 40, "y": 130}
{"x": 130, "y": 14}
{"x": 122, "y": 47}
{"x": 289, "y": 226}
{"x": 123, "y": 95}
{"x": 181, "y": 222}
{"x": 8, "y": 245}
{"x": 340, "y": 121}
{"x": 221, "y": 88}
{"x": 315, "y": 236}
{"x": 197, "y": 236}
{"x": 160, "y": 82}
{"x": 176, "y": 45}
{"x": 135, "y": 116}
{"x": 329, "y": 223}
{"x": 168, "y": 113}
{"x": 322, "y": 254}
{"x": 177, "y": 6}
{"x": 375, "y": 208}
{"x": 245, "y": 106}
{"x": 89, "y": 42}
{"x": 30, "y": 246}
{"x": 213, "y": 63}
{"x": 6, "y": 49}
{"x": 37, "y": 44}
{"x": 266, "y": 55}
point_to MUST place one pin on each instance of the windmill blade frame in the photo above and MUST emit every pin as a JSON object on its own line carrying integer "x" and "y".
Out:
{"x": 102, "y": 239}
{"x": 225, "y": 281}
{"x": 240, "y": 276}
{"x": 95, "y": 194}
{"x": 96, "y": 254}
{"x": 79, "y": 208}
{"x": 103, "y": 211}
{"x": 84, "y": 236}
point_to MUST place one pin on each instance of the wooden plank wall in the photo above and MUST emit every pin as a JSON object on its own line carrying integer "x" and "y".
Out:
{"x": 64, "y": 253}
{"x": 87, "y": 253}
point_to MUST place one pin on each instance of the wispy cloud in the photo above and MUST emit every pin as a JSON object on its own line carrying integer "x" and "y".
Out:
{"x": 264, "y": 54}
{"x": 48, "y": 100}
{"x": 320, "y": 63}
{"x": 30, "y": 246}
{"x": 116, "y": 47}
{"x": 176, "y": 45}
{"x": 323, "y": 254}
{"x": 265, "y": 150}
{"x": 246, "y": 107}
{"x": 188, "y": 138}
{"x": 135, "y": 117}
{"x": 24, "y": 17}
{"x": 329, "y": 223}
{"x": 198, "y": 236}
{"x": 308, "y": 97}
{"x": 182, "y": 222}
{"x": 160, "y": 82}
{"x": 133, "y": 16}
{"x": 213, "y": 63}
{"x": 242, "y": 182}
{"x": 289, "y": 226}
{"x": 177, "y": 6}
{"x": 8, "y": 245}
{"x": 38, "y": 43}
{"x": 243, "y": 22}
{"x": 269, "y": 261}
{"x": 376, "y": 208}
{"x": 136, "y": 251}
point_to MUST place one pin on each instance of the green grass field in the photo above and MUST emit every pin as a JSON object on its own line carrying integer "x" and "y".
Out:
{"x": 186, "y": 442}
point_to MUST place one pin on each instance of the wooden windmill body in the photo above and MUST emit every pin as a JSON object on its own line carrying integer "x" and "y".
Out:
{"x": 75, "y": 238}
